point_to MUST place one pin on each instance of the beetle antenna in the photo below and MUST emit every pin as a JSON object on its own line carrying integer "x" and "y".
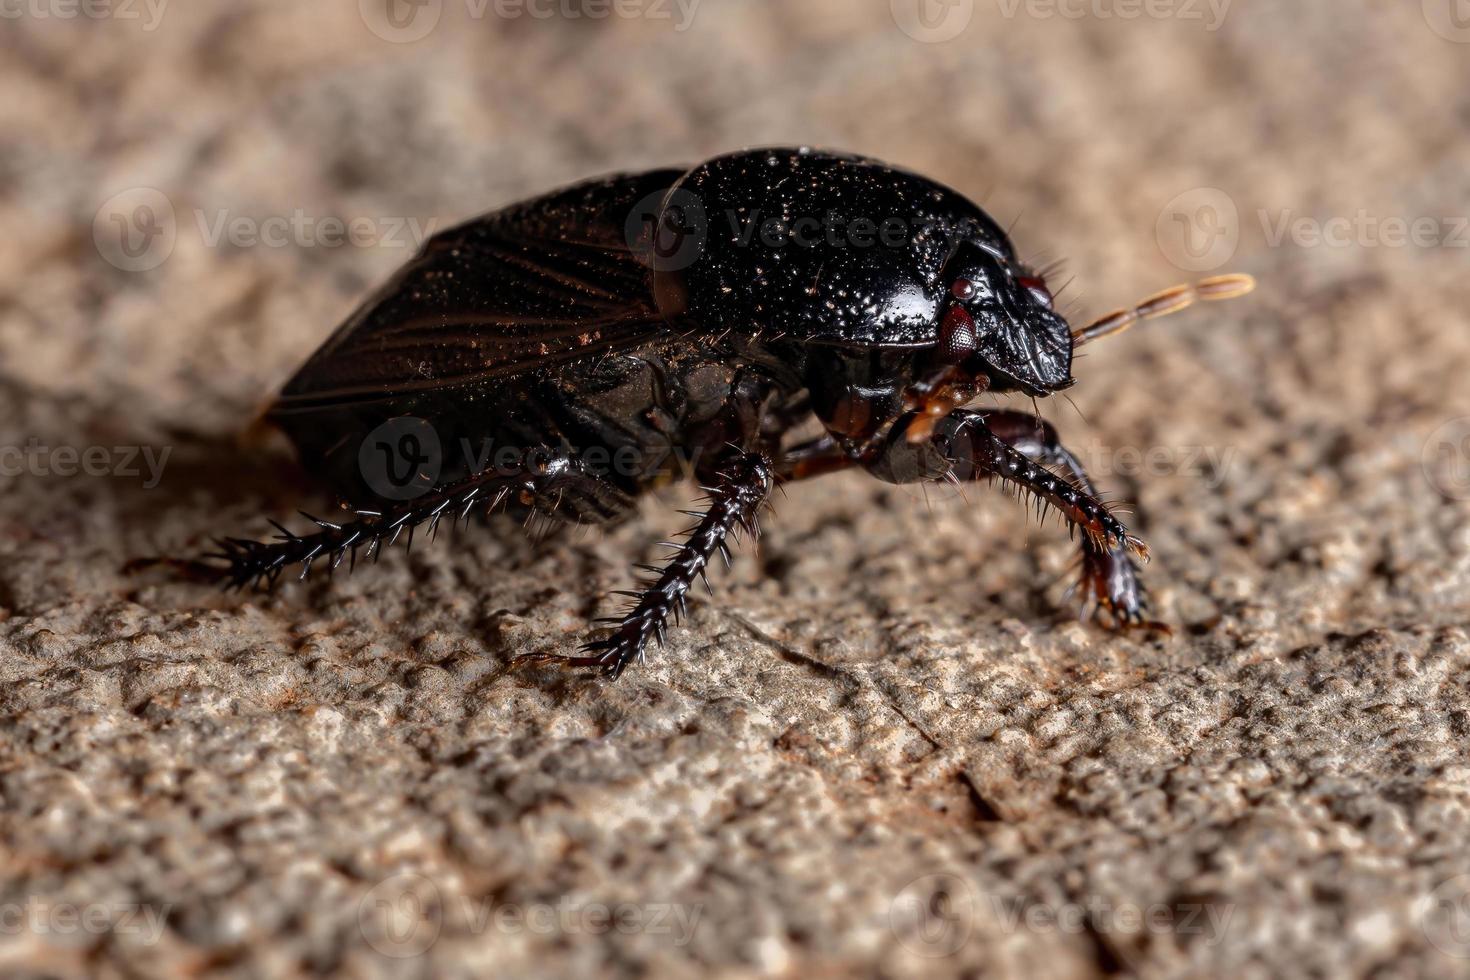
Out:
{"x": 1169, "y": 301}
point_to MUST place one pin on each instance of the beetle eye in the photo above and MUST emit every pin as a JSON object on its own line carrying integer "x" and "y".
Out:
{"x": 956, "y": 336}
{"x": 1037, "y": 288}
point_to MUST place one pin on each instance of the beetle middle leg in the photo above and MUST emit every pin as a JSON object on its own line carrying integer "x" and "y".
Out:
{"x": 737, "y": 490}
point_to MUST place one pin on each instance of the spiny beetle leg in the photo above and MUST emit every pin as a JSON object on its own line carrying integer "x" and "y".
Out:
{"x": 962, "y": 446}
{"x": 251, "y": 562}
{"x": 561, "y": 490}
{"x": 977, "y": 454}
{"x": 735, "y": 494}
{"x": 1110, "y": 576}
{"x": 989, "y": 448}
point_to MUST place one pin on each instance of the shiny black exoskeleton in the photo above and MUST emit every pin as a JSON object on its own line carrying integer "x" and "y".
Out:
{"x": 564, "y": 355}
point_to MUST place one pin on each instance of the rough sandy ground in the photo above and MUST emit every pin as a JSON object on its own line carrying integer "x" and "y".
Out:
{"x": 886, "y": 747}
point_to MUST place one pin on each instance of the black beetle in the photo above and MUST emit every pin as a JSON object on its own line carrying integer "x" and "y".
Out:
{"x": 573, "y": 345}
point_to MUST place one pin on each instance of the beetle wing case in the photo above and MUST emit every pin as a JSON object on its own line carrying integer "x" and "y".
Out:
{"x": 483, "y": 316}
{"x": 542, "y": 282}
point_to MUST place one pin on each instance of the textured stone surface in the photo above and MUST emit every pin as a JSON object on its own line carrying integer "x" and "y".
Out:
{"x": 889, "y": 699}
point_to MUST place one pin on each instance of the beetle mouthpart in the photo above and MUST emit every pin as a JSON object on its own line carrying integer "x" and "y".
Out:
{"x": 1172, "y": 300}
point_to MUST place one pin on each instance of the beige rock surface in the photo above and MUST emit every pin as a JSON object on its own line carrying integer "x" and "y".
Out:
{"x": 886, "y": 747}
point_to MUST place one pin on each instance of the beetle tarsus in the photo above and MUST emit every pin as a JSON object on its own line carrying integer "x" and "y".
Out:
{"x": 736, "y": 493}
{"x": 1110, "y": 588}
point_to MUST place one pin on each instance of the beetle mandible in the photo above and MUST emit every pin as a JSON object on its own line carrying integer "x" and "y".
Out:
{"x": 584, "y": 334}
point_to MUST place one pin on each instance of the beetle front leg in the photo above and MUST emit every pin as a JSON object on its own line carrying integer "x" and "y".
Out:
{"x": 736, "y": 492}
{"x": 1110, "y": 575}
{"x": 815, "y": 457}
{"x": 963, "y": 446}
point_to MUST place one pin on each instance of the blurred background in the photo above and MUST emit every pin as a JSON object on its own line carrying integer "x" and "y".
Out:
{"x": 194, "y": 194}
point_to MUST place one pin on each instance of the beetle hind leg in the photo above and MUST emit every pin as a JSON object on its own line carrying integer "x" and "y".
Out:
{"x": 736, "y": 493}
{"x": 557, "y": 492}
{"x": 261, "y": 563}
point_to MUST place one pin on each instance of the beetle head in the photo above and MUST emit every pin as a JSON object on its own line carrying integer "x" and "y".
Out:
{"x": 998, "y": 321}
